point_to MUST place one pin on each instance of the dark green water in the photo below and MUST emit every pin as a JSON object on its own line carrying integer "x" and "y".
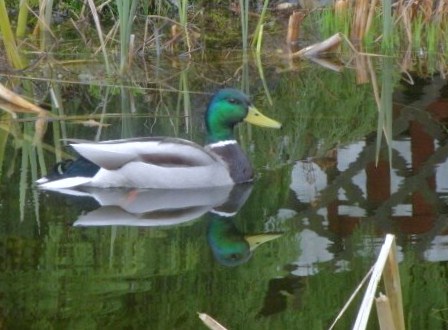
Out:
{"x": 105, "y": 259}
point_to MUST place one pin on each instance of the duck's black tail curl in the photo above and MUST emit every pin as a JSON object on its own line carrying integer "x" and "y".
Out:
{"x": 71, "y": 168}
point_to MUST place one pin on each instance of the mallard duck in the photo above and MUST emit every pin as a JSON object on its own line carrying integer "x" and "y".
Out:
{"x": 166, "y": 162}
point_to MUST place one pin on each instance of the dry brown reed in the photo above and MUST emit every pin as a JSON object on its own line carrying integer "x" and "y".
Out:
{"x": 294, "y": 23}
{"x": 361, "y": 8}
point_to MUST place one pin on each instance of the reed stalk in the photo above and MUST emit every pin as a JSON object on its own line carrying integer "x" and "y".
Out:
{"x": 126, "y": 121}
{"x": 294, "y": 23}
{"x": 46, "y": 20}
{"x": 387, "y": 23}
{"x": 186, "y": 100}
{"x": 385, "y": 108}
{"x": 183, "y": 106}
{"x": 260, "y": 23}
{"x": 105, "y": 102}
{"x": 432, "y": 35}
{"x": 27, "y": 159}
{"x": 4, "y": 133}
{"x": 22, "y": 19}
{"x": 100, "y": 34}
{"x": 59, "y": 129}
{"x": 183, "y": 20}
{"x": 126, "y": 14}
{"x": 359, "y": 24}
{"x": 244, "y": 14}
{"x": 260, "y": 65}
{"x": 9, "y": 42}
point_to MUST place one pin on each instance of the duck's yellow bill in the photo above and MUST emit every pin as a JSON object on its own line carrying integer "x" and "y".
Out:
{"x": 255, "y": 117}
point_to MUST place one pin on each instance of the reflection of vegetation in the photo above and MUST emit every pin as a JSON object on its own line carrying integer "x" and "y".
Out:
{"x": 101, "y": 273}
{"x": 318, "y": 118}
{"x": 396, "y": 24}
{"x": 134, "y": 277}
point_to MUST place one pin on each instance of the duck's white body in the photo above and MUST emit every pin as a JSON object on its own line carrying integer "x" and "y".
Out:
{"x": 148, "y": 163}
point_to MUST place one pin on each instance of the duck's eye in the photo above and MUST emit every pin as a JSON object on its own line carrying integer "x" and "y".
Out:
{"x": 235, "y": 256}
{"x": 233, "y": 101}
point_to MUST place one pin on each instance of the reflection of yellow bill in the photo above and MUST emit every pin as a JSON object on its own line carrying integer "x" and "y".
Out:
{"x": 257, "y": 240}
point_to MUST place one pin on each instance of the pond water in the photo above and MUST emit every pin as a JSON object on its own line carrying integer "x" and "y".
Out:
{"x": 302, "y": 236}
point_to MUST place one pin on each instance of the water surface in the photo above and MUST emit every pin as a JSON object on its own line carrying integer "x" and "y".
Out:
{"x": 153, "y": 259}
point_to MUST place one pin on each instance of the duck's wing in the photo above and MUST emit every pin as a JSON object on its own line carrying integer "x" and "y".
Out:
{"x": 161, "y": 151}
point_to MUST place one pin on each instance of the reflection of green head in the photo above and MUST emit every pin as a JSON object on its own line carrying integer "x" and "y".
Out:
{"x": 230, "y": 246}
{"x": 229, "y": 107}
{"x": 227, "y": 243}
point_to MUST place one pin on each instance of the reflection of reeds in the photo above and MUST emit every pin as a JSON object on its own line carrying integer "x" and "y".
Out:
{"x": 421, "y": 24}
{"x": 185, "y": 96}
{"x": 385, "y": 107}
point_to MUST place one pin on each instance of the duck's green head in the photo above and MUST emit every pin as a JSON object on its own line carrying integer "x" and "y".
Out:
{"x": 229, "y": 107}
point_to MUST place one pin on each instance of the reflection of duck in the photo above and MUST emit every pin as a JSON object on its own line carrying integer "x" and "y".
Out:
{"x": 157, "y": 207}
{"x": 168, "y": 208}
{"x": 230, "y": 246}
{"x": 149, "y": 207}
{"x": 168, "y": 162}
